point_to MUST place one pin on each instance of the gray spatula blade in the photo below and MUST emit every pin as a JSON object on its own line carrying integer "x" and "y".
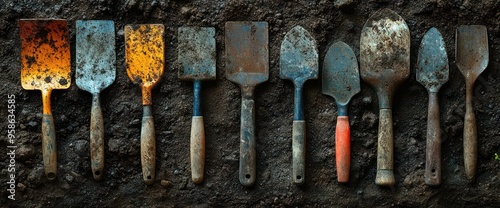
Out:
{"x": 95, "y": 55}
{"x": 196, "y": 53}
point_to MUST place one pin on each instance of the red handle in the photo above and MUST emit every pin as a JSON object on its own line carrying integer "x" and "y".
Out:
{"x": 343, "y": 148}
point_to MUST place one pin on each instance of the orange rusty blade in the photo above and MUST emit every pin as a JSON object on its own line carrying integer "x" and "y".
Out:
{"x": 144, "y": 55}
{"x": 45, "y": 54}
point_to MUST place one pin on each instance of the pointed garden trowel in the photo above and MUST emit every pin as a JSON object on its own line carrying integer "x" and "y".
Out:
{"x": 298, "y": 63}
{"x": 247, "y": 64}
{"x": 341, "y": 81}
{"x": 196, "y": 56}
{"x": 95, "y": 70}
{"x": 432, "y": 73}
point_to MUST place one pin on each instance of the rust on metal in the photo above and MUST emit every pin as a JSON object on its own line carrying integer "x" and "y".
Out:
{"x": 144, "y": 55}
{"x": 45, "y": 56}
{"x": 247, "y": 54}
{"x": 471, "y": 50}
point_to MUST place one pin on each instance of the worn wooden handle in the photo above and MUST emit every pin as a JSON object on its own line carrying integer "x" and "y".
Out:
{"x": 96, "y": 138}
{"x": 343, "y": 148}
{"x": 385, "y": 150}
{"x": 470, "y": 137}
{"x": 299, "y": 151}
{"x": 49, "y": 147}
{"x": 197, "y": 149}
{"x": 247, "y": 142}
{"x": 148, "y": 146}
{"x": 433, "y": 152}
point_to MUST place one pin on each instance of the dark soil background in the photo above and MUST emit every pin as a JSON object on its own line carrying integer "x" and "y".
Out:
{"x": 327, "y": 21}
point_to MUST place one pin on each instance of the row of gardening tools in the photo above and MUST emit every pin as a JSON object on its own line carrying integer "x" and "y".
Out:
{"x": 384, "y": 62}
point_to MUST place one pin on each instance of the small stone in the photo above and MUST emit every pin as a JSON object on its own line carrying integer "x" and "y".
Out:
{"x": 165, "y": 183}
{"x": 114, "y": 145}
{"x": 176, "y": 172}
{"x": 413, "y": 141}
{"x": 135, "y": 123}
{"x": 369, "y": 118}
{"x": 367, "y": 100}
{"x": 25, "y": 152}
{"x": 32, "y": 124}
{"x": 359, "y": 192}
{"x": 345, "y": 4}
{"x": 21, "y": 187}
{"x": 82, "y": 147}
{"x": 69, "y": 178}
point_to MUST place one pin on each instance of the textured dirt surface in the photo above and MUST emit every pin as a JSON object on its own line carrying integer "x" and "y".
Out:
{"x": 327, "y": 21}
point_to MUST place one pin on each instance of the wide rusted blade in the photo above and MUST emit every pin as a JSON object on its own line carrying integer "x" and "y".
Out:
{"x": 196, "y": 53}
{"x": 340, "y": 77}
{"x": 144, "y": 56}
{"x": 298, "y": 56}
{"x": 95, "y": 55}
{"x": 432, "y": 68}
{"x": 247, "y": 55}
{"x": 385, "y": 53}
{"x": 45, "y": 54}
{"x": 471, "y": 50}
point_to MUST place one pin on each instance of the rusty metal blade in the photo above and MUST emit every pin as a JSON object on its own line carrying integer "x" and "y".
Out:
{"x": 340, "y": 77}
{"x": 298, "y": 56}
{"x": 471, "y": 50}
{"x": 144, "y": 53}
{"x": 433, "y": 69}
{"x": 95, "y": 55}
{"x": 45, "y": 54}
{"x": 196, "y": 53}
{"x": 144, "y": 56}
{"x": 247, "y": 54}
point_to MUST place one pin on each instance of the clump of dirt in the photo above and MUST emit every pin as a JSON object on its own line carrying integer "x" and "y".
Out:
{"x": 327, "y": 21}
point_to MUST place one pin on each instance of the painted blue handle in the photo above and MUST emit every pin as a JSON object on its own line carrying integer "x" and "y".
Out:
{"x": 298, "y": 113}
{"x": 197, "y": 95}
{"x": 342, "y": 110}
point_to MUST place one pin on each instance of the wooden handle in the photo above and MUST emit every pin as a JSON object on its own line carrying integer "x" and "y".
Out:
{"x": 470, "y": 136}
{"x": 49, "y": 147}
{"x": 385, "y": 150}
{"x": 197, "y": 149}
{"x": 433, "y": 152}
{"x": 343, "y": 148}
{"x": 247, "y": 139}
{"x": 148, "y": 146}
{"x": 96, "y": 139}
{"x": 299, "y": 151}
